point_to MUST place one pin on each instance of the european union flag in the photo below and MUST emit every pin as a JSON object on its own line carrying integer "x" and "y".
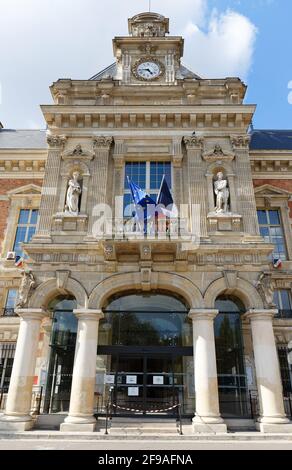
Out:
{"x": 141, "y": 200}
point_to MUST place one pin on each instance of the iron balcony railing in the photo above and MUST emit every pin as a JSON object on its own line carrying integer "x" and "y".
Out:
{"x": 284, "y": 314}
{"x": 8, "y": 312}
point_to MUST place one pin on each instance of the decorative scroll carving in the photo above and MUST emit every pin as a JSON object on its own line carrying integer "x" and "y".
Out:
{"x": 27, "y": 284}
{"x": 57, "y": 141}
{"x": 102, "y": 141}
{"x": 78, "y": 151}
{"x": 218, "y": 154}
{"x": 266, "y": 286}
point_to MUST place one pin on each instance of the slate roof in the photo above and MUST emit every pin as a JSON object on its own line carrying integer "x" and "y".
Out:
{"x": 271, "y": 140}
{"x": 111, "y": 70}
{"x": 23, "y": 139}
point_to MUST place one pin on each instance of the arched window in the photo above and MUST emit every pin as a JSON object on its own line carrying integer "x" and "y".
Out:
{"x": 154, "y": 319}
{"x": 230, "y": 357}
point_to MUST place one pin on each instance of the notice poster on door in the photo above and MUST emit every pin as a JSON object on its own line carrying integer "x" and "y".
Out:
{"x": 109, "y": 379}
{"x": 131, "y": 379}
{"x": 133, "y": 391}
{"x": 158, "y": 380}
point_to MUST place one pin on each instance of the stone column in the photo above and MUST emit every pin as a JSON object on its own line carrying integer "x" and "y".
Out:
{"x": 50, "y": 188}
{"x": 207, "y": 417}
{"x": 80, "y": 416}
{"x": 269, "y": 383}
{"x": 97, "y": 192}
{"x": 197, "y": 180}
{"x": 245, "y": 189}
{"x": 17, "y": 413}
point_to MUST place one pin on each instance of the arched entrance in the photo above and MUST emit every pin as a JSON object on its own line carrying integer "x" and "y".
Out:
{"x": 232, "y": 380}
{"x": 145, "y": 353}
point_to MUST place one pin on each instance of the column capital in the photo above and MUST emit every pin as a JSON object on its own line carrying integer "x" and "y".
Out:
{"x": 32, "y": 313}
{"x": 56, "y": 141}
{"x": 103, "y": 142}
{"x": 264, "y": 314}
{"x": 193, "y": 142}
{"x": 207, "y": 314}
{"x": 88, "y": 314}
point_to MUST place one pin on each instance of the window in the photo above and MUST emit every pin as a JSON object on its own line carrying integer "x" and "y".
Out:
{"x": 286, "y": 370}
{"x": 10, "y": 302}
{"x": 282, "y": 298}
{"x": 272, "y": 231}
{"x": 26, "y": 228}
{"x": 147, "y": 175}
{"x": 7, "y": 351}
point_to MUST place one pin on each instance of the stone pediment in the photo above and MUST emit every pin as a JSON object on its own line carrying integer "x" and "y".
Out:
{"x": 27, "y": 189}
{"x": 218, "y": 154}
{"x": 78, "y": 152}
{"x": 269, "y": 190}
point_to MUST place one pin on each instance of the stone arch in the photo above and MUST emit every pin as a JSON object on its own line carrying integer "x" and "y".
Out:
{"x": 245, "y": 291}
{"x": 49, "y": 289}
{"x": 173, "y": 283}
{"x": 226, "y": 167}
{"x": 75, "y": 165}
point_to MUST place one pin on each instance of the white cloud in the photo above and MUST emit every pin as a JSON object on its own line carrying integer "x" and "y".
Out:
{"x": 48, "y": 39}
{"x": 226, "y": 49}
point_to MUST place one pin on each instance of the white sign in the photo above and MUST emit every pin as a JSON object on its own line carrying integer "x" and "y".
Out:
{"x": 158, "y": 380}
{"x": 131, "y": 379}
{"x": 109, "y": 379}
{"x": 133, "y": 391}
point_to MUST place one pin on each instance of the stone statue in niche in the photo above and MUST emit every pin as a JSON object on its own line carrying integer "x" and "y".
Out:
{"x": 27, "y": 284}
{"x": 221, "y": 191}
{"x": 73, "y": 194}
{"x": 266, "y": 286}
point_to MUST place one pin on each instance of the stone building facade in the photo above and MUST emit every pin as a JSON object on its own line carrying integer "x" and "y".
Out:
{"x": 201, "y": 316}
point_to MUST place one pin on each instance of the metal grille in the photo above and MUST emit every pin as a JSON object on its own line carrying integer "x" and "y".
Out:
{"x": 286, "y": 370}
{"x": 7, "y": 350}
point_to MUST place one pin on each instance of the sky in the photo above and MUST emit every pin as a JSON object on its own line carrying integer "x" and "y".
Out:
{"x": 43, "y": 40}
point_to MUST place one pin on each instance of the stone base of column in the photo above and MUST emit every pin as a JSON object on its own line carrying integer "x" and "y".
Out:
{"x": 78, "y": 424}
{"x": 69, "y": 427}
{"x": 209, "y": 425}
{"x": 267, "y": 428}
{"x": 8, "y": 423}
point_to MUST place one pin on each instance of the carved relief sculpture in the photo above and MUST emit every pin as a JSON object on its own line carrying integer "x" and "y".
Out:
{"x": 222, "y": 193}
{"x": 27, "y": 284}
{"x": 266, "y": 286}
{"x": 73, "y": 194}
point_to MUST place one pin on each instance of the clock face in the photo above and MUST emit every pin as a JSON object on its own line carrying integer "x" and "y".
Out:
{"x": 148, "y": 69}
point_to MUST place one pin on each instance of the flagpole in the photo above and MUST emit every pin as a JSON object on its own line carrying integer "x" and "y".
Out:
{"x": 149, "y": 5}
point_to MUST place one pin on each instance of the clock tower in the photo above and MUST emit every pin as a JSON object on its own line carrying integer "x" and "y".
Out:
{"x": 148, "y": 54}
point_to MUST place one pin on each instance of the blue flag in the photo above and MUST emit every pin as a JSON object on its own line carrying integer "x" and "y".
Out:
{"x": 137, "y": 193}
{"x": 141, "y": 200}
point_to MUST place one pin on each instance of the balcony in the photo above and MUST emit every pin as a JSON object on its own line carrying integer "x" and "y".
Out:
{"x": 8, "y": 312}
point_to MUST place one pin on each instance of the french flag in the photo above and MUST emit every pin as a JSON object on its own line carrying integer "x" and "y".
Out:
{"x": 277, "y": 263}
{"x": 18, "y": 261}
